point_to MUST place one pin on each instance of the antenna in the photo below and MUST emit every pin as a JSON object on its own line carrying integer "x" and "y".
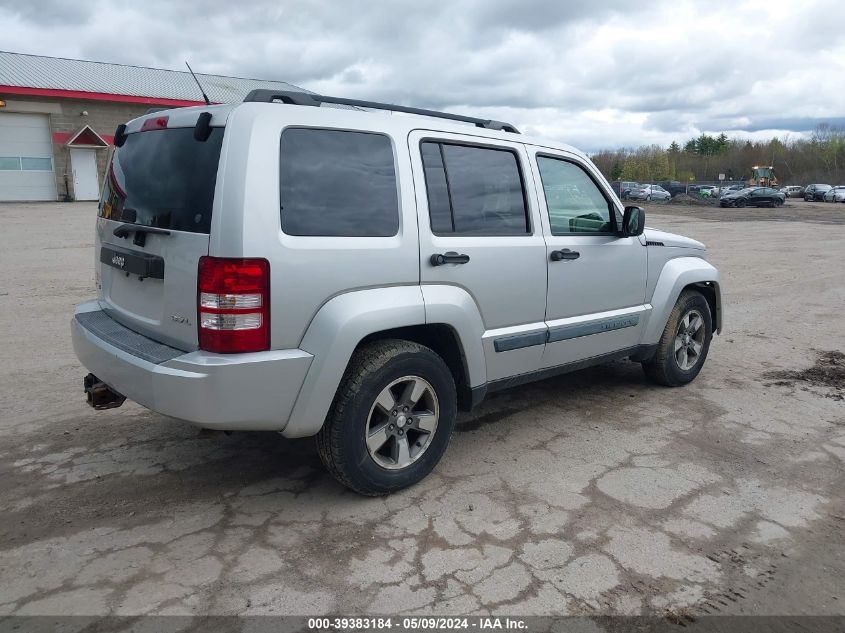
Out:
{"x": 204, "y": 96}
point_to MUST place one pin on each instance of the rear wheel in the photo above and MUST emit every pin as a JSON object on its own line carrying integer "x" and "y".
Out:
{"x": 683, "y": 347}
{"x": 391, "y": 419}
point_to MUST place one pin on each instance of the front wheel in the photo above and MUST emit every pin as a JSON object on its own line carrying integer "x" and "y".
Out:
{"x": 683, "y": 347}
{"x": 778, "y": 202}
{"x": 648, "y": 198}
{"x": 391, "y": 419}
{"x": 740, "y": 203}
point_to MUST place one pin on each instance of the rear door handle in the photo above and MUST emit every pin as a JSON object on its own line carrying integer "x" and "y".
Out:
{"x": 556, "y": 256}
{"x": 438, "y": 259}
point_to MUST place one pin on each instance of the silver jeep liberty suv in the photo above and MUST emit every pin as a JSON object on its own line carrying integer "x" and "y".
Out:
{"x": 361, "y": 274}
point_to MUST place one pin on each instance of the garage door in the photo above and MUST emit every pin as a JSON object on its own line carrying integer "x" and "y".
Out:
{"x": 26, "y": 157}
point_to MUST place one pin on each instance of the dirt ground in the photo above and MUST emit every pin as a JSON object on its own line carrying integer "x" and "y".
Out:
{"x": 591, "y": 493}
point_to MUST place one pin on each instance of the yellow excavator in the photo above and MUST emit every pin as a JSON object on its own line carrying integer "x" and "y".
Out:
{"x": 763, "y": 176}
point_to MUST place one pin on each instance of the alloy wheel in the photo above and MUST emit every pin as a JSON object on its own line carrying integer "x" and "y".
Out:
{"x": 689, "y": 340}
{"x": 402, "y": 422}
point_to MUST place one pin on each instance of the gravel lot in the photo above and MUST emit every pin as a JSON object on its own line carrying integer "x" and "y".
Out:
{"x": 589, "y": 493}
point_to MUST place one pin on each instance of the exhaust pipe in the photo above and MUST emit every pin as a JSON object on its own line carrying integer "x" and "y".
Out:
{"x": 100, "y": 395}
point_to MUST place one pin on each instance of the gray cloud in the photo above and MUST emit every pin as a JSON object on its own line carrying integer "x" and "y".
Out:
{"x": 592, "y": 74}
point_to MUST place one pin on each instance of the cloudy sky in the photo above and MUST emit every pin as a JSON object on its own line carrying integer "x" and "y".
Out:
{"x": 595, "y": 74}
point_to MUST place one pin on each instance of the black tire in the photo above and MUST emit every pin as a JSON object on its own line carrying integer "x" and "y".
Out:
{"x": 663, "y": 367}
{"x": 778, "y": 202}
{"x": 740, "y": 203}
{"x": 341, "y": 441}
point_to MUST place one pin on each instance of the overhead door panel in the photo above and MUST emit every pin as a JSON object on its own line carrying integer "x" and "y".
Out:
{"x": 26, "y": 157}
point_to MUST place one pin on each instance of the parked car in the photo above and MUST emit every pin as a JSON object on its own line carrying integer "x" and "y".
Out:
{"x": 707, "y": 191}
{"x": 835, "y": 194}
{"x": 321, "y": 271}
{"x": 793, "y": 191}
{"x": 730, "y": 188}
{"x": 623, "y": 187}
{"x": 753, "y": 197}
{"x": 649, "y": 192}
{"x": 815, "y": 193}
{"x": 674, "y": 187}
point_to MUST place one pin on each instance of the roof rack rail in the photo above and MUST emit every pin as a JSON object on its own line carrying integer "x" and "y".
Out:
{"x": 262, "y": 95}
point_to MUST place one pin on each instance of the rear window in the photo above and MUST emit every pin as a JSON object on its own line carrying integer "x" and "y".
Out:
{"x": 336, "y": 183}
{"x": 163, "y": 178}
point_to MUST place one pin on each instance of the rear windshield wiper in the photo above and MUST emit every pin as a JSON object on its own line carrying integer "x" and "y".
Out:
{"x": 125, "y": 229}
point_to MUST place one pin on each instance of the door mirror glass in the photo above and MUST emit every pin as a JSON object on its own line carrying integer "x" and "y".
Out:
{"x": 633, "y": 222}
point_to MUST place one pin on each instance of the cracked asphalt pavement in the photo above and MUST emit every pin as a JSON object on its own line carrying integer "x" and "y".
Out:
{"x": 591, "y": 493}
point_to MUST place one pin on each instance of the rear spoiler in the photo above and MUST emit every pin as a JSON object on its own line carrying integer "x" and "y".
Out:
{"x": 202, "y": 129}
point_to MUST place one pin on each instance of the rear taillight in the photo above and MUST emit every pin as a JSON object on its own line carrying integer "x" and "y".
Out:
{"x": 233, "y": 305}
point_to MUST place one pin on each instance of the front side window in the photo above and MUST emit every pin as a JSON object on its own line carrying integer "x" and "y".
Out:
{"x": 574, "y": 201}
{"x": 474, "y": 190}
{"x": 337, "y": 183}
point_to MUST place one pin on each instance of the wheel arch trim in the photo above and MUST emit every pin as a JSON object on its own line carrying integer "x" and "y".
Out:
{"x": 332, "y": 336}
{"x": 345, "y": 320}
{"x": 678, "y": 274}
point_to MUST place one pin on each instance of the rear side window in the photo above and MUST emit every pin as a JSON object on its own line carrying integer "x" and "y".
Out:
{"x": 164, "y": 178}
{"x": 337, "y": 183}
{"x": 474, "y": 190}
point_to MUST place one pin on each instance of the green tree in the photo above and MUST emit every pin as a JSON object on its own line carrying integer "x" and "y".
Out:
{"x": 616, "y": 170}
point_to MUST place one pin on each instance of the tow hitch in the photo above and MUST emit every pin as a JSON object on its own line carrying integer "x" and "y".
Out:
{"x": 100, "y": 396}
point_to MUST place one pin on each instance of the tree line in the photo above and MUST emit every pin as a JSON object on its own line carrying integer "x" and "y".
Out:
{"x": 800, "y": 161}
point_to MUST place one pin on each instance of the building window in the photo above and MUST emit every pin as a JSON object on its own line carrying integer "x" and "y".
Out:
{"x": 36, "y": 164}
{"x": 25, "y": 163}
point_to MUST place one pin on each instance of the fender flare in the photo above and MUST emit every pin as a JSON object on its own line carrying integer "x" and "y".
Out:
{"x": 335, "y": 331}
{"x": 676, "y": 275}
{"x": 345, "y": 320}
{"x": 455, "y": 307}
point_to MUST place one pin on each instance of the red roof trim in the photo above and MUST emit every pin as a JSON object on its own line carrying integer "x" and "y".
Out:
{"x": 86, "y": 135}
{"x": 61, "y": 138}
{"x": 93, "y": 96}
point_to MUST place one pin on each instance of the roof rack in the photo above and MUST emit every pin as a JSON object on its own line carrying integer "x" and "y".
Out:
{"x": 263, "y": 95}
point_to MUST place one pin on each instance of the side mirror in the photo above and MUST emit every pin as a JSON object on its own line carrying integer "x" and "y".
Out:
{"x": 633, "y": 222}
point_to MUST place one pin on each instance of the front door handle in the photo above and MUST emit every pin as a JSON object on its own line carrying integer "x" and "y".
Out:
{"x": 438, "y": 259}
{"x": 556, "y": 256}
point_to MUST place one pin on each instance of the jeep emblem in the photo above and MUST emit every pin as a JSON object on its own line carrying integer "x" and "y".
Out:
{"x": 118, "y": 260}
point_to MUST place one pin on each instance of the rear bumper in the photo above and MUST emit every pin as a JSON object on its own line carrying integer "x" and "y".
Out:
{"x": 253, "y": 392}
